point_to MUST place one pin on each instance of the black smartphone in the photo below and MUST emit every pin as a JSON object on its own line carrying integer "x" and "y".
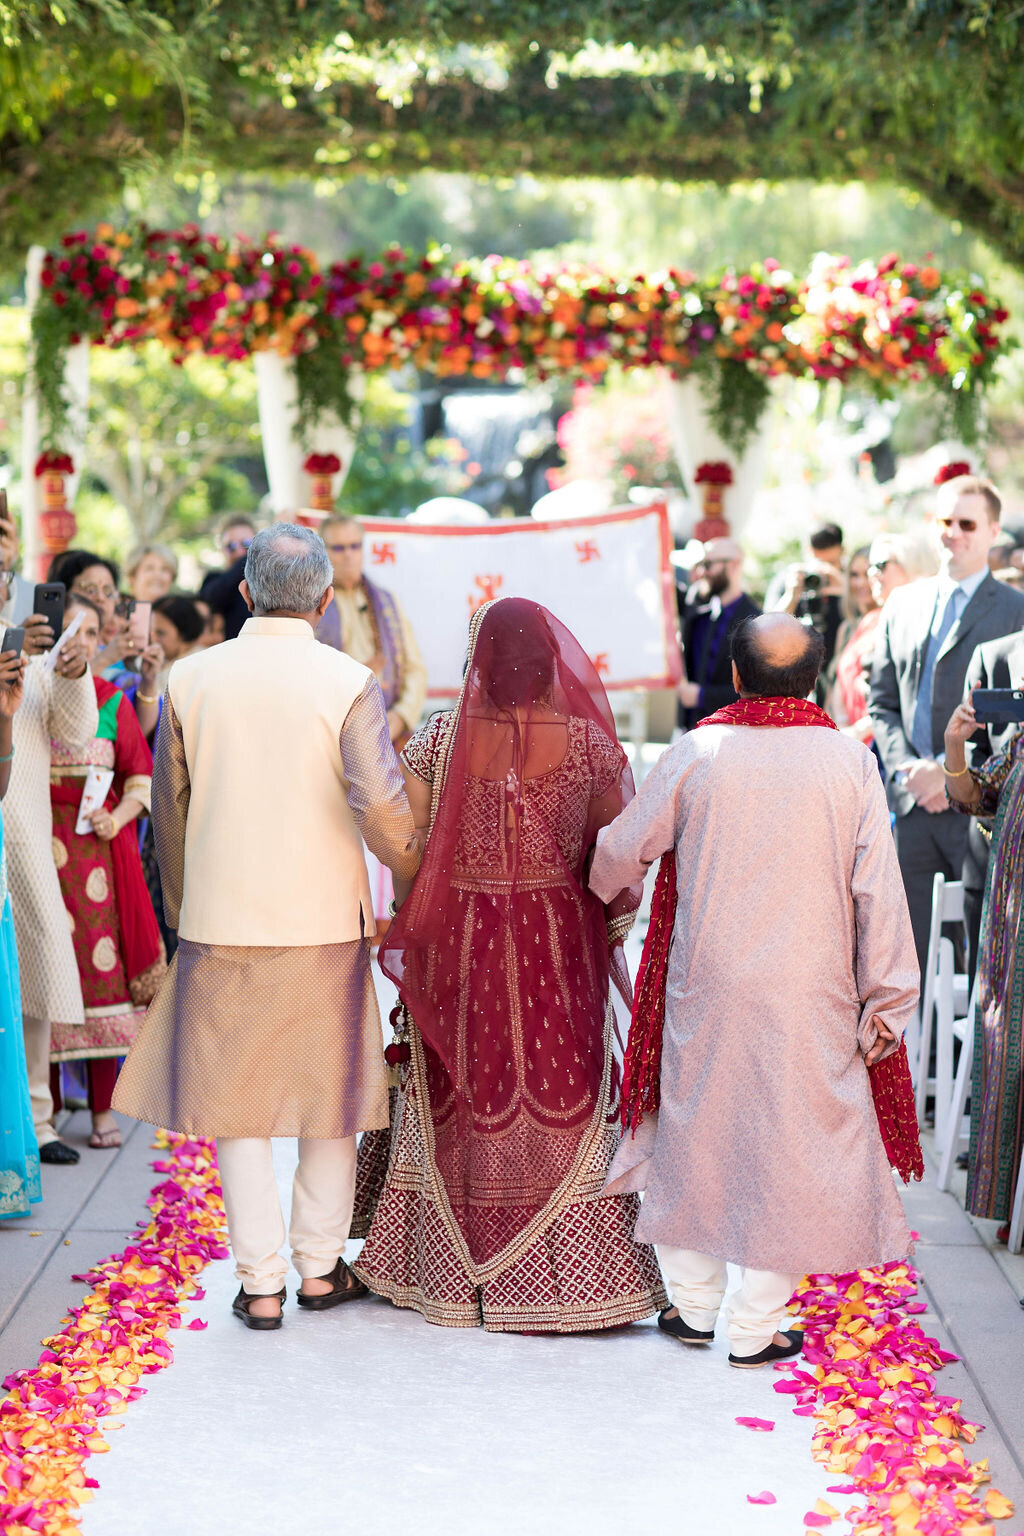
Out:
{"x": 999, "y": 705}
{"x": 13, "y": 640}
{"x": 49, "y": 601}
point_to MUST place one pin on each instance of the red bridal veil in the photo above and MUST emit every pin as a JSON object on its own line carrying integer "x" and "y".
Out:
{"x": 502, "y": 954}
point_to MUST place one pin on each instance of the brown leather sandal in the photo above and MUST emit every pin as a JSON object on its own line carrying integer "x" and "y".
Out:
{"x": 345, "y": 1287}
{"x": 240, "y": 1307}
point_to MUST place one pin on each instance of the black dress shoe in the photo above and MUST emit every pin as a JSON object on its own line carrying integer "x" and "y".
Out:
{"x": 345, "y": 1286}
{"x": 772, "y": 1352}
{"x": 58, "y": 1152}
{"x": 240, "y": 1307}
{"x": 680, "y": 1330}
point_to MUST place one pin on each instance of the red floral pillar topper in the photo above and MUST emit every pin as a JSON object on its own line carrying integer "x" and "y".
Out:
{"x": 952, "y": 471}
{"x": 321, "y": 468}
{"x": 57, "y": 524}
{"x": 712, "y": 476}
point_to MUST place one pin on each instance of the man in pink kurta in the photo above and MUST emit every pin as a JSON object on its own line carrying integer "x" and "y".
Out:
{"x": 792, "y": 961}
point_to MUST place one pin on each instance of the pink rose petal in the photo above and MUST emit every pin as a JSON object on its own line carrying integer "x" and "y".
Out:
{"x": 762, "y": 1498}
{"x": 757, "y": 1423}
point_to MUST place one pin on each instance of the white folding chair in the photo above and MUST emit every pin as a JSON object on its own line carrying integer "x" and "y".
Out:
{"x": 952, "y": 1132}
{"x": 947, "y": 907}
{"x": 1016, "y": 1237}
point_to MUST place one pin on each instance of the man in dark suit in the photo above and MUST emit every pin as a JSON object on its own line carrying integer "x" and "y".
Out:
{"x": 927, "y": 636}
{"x": 707, "y": 617}
{"x": 996, "y": 664}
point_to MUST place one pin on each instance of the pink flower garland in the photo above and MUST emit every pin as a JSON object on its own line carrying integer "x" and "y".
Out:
{"x": 868, "y": 1377}
{"x": 88, "y": 1373}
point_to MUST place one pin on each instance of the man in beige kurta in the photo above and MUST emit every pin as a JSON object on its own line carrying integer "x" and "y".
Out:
{"x": 59, "y": 704}
{"x": 273, "y": 761}
{"x": 792, "y": 959}
{"x": 353, "y": 623}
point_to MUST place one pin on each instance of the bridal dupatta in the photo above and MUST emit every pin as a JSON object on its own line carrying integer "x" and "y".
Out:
{"x": 501, "y": 953}
{"x": 891, "y": 1086}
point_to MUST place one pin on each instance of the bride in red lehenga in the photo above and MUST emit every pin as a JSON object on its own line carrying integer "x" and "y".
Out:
{"x": 505, "y": 1122}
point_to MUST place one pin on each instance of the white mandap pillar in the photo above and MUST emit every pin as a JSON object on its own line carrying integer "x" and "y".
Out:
{"x": 283, "y": 450}
{"x": 696, "y": 442}
{"x": 35, "y": 553}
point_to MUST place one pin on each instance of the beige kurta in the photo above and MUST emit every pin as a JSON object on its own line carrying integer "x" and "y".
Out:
{"x": 791, "y": 932}
{"x": 361, "y": 645}
{"x": 63, "y": 708}
{"x": 264, "y": 1038}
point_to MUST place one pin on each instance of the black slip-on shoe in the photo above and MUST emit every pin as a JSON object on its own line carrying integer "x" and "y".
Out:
{"x": 58, "y": 1152}
{"x": 680, "y": 1330}
{"x": 772, "y": 1352}
{"x": 240, "y": 1307}
{"x": 346, "y": 1286}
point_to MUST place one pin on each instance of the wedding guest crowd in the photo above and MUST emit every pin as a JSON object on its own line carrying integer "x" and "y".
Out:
{"x": 502, "y": 952}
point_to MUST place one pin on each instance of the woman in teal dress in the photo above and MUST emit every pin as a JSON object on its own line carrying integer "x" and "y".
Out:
{"x": 19, "y": 1155}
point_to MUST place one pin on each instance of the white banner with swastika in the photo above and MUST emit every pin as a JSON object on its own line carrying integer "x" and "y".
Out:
{"x": 607, "y": 578}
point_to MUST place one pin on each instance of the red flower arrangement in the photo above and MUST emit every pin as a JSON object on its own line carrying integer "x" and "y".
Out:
{"x": 53, "y": 463}
{"x": 321, "y": 464}
{"x": 952, "y": 471}
{"x": 887, "y": 323}
{"x": 713, "y": 472}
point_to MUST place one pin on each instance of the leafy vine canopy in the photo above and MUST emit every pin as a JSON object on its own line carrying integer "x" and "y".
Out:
{"x": 94, "y": 93}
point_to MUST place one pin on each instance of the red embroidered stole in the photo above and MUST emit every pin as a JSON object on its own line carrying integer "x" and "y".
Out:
{"x": 891, "y": 1086}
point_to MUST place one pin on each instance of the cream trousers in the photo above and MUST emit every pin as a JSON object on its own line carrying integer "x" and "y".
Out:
{"x": 323, "y": 1193}
{"x": 696, "y": 1283}
{"x": 37, "y": 1068}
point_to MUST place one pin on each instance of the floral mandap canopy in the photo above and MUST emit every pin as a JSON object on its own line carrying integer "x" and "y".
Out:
{"x": 880, "y": 325}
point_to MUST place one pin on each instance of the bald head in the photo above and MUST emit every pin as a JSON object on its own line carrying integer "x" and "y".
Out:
{"x": 775, "y": 656}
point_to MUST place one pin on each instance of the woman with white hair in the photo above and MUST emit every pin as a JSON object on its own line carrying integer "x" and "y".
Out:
{"x": 894, "y": 559}
{"x": 152, "y": 570}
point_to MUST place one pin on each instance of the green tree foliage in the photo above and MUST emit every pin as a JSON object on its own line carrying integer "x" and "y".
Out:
{"x": 94, "y": 93}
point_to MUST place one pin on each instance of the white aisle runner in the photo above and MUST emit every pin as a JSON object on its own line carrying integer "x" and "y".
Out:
{"x": 367, "y": 1419}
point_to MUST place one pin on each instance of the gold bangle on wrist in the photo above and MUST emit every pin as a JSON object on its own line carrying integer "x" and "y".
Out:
{"x": 147, "y": 698}
{"x": 957, "y": 773}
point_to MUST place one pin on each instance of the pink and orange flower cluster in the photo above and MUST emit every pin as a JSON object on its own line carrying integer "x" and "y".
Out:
{"x": 884, "y": 323}
{"x": 57, "y": 1413}
{"x": 868, "y": 1378}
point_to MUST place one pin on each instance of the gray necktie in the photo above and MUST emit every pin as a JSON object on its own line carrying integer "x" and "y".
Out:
{"x": 921, "y": 735}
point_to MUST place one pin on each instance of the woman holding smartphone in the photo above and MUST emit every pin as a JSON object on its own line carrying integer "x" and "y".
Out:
{"x": 20, "y": 1186}
{"x": 995, "y": 788}
{"x": 117, "y": 943}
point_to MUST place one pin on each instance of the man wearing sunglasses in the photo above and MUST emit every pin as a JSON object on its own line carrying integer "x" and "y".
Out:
{"x": 927, "y": 637}
{"x": 220, "y": 588}
{"x": 714, "y": 605}
{"x": 369, "y": 624}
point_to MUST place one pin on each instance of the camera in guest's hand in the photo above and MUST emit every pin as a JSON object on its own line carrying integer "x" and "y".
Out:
{"x": 812, "y": 582}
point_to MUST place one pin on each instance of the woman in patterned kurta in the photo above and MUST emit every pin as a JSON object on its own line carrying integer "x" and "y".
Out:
{"x": 505, "y": 1126}
{"x": 117, "y": 943}
{"x": 995, "y": 788}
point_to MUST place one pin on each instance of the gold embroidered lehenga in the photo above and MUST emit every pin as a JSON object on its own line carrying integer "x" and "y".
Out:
{"x": 504, "y": 1125}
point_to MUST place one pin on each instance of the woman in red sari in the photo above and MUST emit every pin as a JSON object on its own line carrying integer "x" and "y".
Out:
{"x": 117, "y": 943}
{"x": 504, "y": 1126}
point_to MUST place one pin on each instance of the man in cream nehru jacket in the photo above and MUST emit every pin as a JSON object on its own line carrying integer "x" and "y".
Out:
{"x": 273, "y": 760}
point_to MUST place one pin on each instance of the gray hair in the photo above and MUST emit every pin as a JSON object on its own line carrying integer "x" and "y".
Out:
{"x": 287, "y": 567}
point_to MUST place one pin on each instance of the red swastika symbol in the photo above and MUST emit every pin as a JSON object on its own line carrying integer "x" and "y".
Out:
{"x": 383, "y": 554}
{"x": 601, "y": 664}
{"x": 488, "y": 591}
{"x": 587, "y": 550}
